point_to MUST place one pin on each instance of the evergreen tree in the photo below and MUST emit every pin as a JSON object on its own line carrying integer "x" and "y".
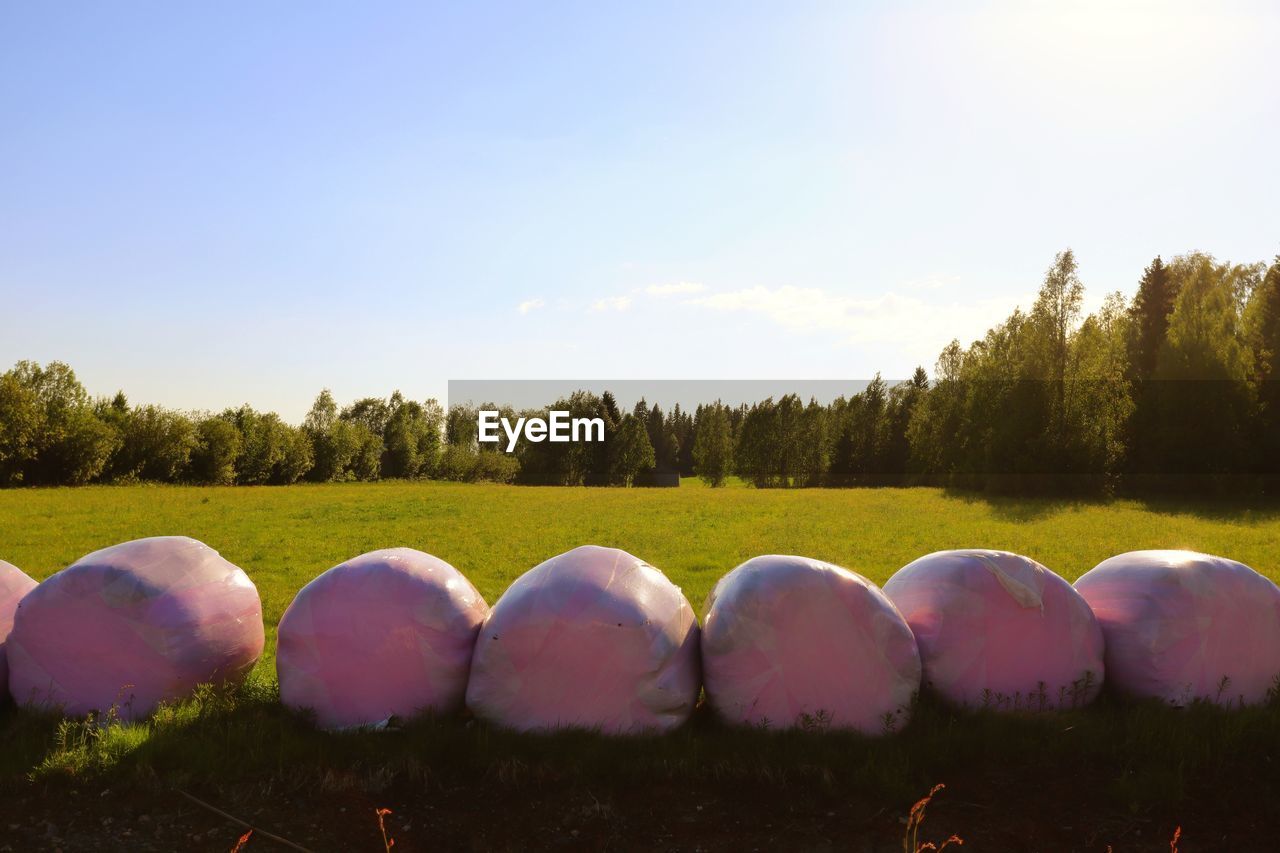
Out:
{"x": 713, "y": 444}
{"x": 1149, "y": 316}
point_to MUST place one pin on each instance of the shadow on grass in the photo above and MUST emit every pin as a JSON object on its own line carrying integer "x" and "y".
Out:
{"x": 1021, "y": 508}
{"x": 1116, "y": 754}
{"x": 1241, "y": 508}
{"x": 1238, "y": 509}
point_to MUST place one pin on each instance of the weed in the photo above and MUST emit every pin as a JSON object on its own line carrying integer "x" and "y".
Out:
{"x": 911, "y": 842}
{"x": 387, "y": 843}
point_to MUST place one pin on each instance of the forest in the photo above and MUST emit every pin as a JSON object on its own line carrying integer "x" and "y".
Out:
{"x": 1174, "y": 387}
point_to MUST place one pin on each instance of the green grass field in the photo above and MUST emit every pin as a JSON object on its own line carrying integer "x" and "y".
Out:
{"x": 1120, "y": 762}
{"x": 284, "y": 536}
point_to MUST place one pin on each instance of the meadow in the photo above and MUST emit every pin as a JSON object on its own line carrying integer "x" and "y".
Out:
{"x": 1109, "y": 771}
{"x": 285, "y": 536}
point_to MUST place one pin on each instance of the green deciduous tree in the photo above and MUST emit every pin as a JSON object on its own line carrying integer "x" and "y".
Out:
{"x": 335, "y": 441}
{"x": 218, "y": 443}
{"x": 49, "y": 432}
{"x": 155, "y": 443}
{"x": 1263, "y": 324}
{"x": 1206, "y": 402}
{"x": 412, "y": 438}
{"x": 271, "y": 451}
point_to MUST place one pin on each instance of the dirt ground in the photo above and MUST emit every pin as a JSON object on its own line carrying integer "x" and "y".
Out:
{"x": 996, "y": 814}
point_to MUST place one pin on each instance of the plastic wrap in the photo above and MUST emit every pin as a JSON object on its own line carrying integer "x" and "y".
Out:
{"x": 593, "y": 638}
{"x": 999, "y": 630}
{"x": 791, "y": 641}
{"x": 388, "y": 633}
{"x": 14, "y": 584}
{"x": 133, "y": 625}
{"x": 1182, "y": 626}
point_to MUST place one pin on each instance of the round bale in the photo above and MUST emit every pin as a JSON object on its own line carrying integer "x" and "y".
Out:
{"x": 388, "y": 633}
{"x": 789, "y": 641}
{"x": 594, "y": 638}
{"x": 133, "y": 625}
{"x": 1000, "y": 631}
{"x": 1182, "y": 626}
{"x": 14, "y": 584}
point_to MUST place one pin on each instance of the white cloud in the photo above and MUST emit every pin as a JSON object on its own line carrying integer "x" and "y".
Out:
{"x": 678, "y": 288}
{"x": 530, "y": 305}
{"x": 913, "y": 324}
{"x": 612, "y": 303}
{"x": 936, "y": 282}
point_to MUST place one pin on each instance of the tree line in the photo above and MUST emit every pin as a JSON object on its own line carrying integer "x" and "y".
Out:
{"x": 1179, "y": 383}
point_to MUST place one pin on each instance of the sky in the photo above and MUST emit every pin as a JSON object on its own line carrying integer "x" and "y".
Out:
{"x": 214, "y": 204}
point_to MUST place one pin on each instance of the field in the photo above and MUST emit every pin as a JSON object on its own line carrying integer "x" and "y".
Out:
{"x": 1117, "y": 774}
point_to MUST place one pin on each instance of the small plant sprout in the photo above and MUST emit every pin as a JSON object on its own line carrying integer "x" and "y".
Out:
{"x": 818, "y": 721}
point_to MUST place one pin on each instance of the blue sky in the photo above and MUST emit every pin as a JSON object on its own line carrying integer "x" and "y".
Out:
{"x": 209, "y": 204}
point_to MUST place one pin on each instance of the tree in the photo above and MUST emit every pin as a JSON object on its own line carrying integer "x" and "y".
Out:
{"x": 935, "y": 433}
{"x": 812, "y": 447}
{"x": 1147, "y": 331}
{"x": 866, "y": 430}
{"x": 335, "y": 441}
{"x": 213, "y": 459}
{"x": 1099, "y": 392}
{"x": 1053, "y": 319}
{"x": 601, "y": 454}
{"x": 894, "y": 444}
{"x": 758, "y": 445}
{"x": 84, "y": 446}
{"x": 461, "y": 426}
{"x": 1205, "y": 400}
{"x": 1149, "y": 319}
{"x": 560, "y": 463}
{"x": 367, "y": 462}
{"x": 713, "y": 445}
{"x": 272, "y": 452}
{"x": 155, "y": 443}
{"x": 1264, "y": 333}
{"x": 433, "y": 441}
{"x": 662, "y": 435}
{"x": 49, "y": 433}
{"x": 412, "y": 439}
{"x": 372, "y": 412}
{"x": 21, "y": 421}
{"x": 631, "y": 451}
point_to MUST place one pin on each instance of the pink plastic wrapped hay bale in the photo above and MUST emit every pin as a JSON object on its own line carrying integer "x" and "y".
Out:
{"x": 999, "y": 630}
{"x": 14, "y": 584}
{"x": 133, "y": 625}
{"x": 388, "y": 633}
{"x": 791, "y": 641}
{"x": 1182, "y": 626}
{"x": 594, "y": 638}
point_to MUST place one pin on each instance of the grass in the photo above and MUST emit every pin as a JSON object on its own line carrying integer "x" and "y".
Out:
{"x": 284, "y": 536}
{"x": 1133, "y": 756}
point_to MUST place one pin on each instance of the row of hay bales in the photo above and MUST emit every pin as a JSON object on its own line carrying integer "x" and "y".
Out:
{"x": 598, "y": 638}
